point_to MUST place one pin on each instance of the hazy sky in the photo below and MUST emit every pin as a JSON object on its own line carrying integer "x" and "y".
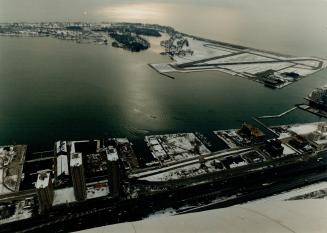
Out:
{"x": 115, "y": 10}
{"x": 282, "y": 25}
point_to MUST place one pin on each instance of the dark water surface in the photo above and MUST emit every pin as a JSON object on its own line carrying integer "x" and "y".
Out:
{"x": 51, "y": 89}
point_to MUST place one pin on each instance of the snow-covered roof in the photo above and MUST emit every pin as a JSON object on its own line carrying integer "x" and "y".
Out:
{"x": 240, "y": 164}
{"x": 304, "y": 129}
{"x": 76, "y": 159}
{"x": 122, "y": 140}
{"x": 43, "y": 180}
{"x": 112, "y": 154}
{"x": 61, "y": 146}
{"x": 62, "y": 165}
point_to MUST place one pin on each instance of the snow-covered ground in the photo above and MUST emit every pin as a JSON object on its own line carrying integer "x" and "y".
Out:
{"x": 257, "y": 68}
{"x": 175, "y": 146}
{"x": 201, "y": 51}
{"x": 216, "y": 53}
{"x": 66, "y": 195}
{"x": 244, "y": 57}
{"x": 299, "y": 70}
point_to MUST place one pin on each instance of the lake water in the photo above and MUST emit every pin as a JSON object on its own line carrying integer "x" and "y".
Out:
{"x": 52, "y": 89}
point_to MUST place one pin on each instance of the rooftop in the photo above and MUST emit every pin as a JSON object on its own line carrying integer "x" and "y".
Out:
{"x": 76, "y": 159}
{"x": 62, "y": 165}
{"x": 112, "y": 154}
{"x": 43, "y": 180}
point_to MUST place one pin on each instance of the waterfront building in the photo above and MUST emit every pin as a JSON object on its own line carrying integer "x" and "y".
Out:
{"x": 113, "y": 171}
{"x": 62, "y": 166}
{"x": 78, "y": 177}
{"x": 251, "y": 132}
{"x": 318, "y": 98}
{"x": 44, "y": 190}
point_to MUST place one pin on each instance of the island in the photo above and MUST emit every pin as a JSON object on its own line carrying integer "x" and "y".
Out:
{"x": 188, "y": 53}
{"x": 130, "y": 36}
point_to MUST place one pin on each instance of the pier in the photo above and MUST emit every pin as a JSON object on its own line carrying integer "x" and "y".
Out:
{"x": 279, "y": 115}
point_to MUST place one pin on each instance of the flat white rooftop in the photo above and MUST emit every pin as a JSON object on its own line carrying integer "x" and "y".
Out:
{"x": 43, "y": 180}
{"x": 62, "y": 165}
{"x": 112, "y": 154}
{"x": 76, "y": 159}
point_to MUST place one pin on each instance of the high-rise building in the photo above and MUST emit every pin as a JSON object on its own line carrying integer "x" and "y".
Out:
{"x": 78, "y": 178}
{"x": 44, "y": 190}
{"x": 113, "y": 171}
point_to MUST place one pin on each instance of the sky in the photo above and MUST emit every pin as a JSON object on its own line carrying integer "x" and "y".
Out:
{"x": 283, "y": 25}
{"x": 116, "y": 10}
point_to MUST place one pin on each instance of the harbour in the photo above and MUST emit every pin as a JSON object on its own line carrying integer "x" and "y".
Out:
{"x": 106, "y": 122}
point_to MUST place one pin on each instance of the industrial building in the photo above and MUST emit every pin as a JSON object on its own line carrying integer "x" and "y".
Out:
{"x": 318, "y": 98}
{"x": 113, "y": 171}
{"x": 78, "y": 177}
{"x": 44, "y": 190}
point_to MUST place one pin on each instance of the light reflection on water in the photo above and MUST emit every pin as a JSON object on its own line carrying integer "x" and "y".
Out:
{"x": 54, "y": 89}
